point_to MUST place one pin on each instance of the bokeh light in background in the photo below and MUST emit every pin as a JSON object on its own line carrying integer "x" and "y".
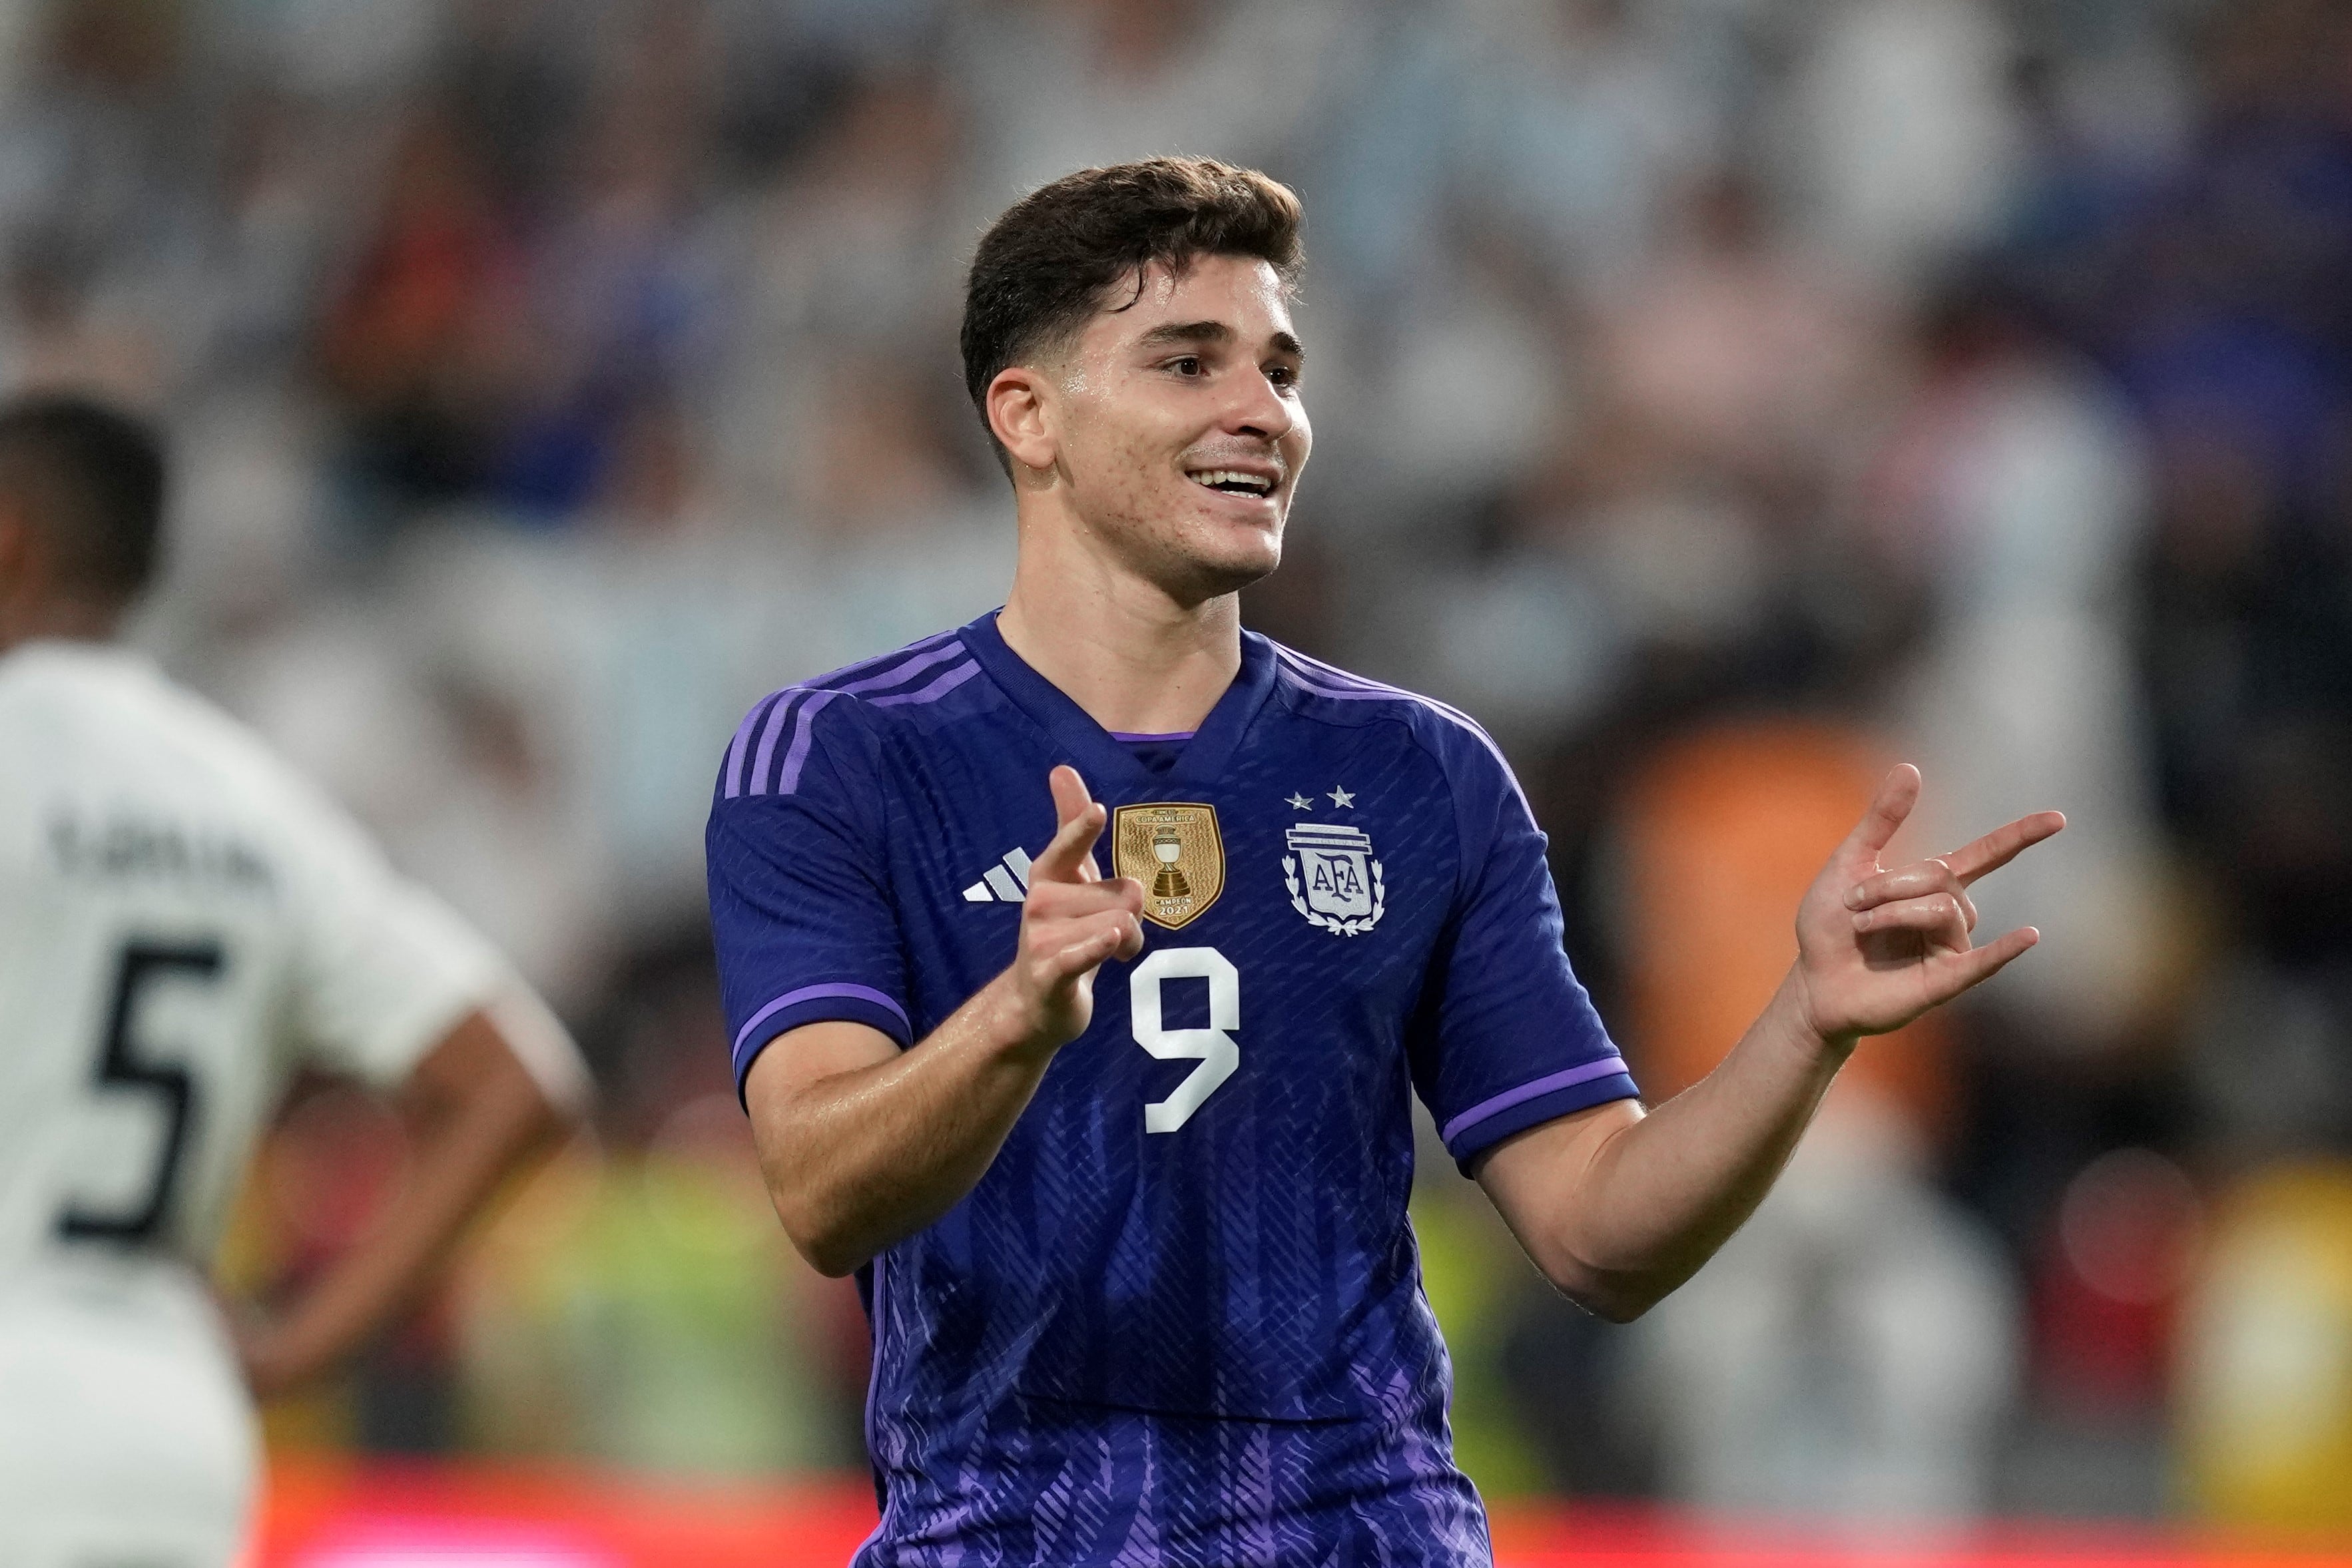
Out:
{"x": 1718, "y": 397}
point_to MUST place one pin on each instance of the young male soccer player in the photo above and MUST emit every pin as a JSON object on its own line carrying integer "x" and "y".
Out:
{"x": 183, "y": 923}
{"x": 1107, "y": 1103}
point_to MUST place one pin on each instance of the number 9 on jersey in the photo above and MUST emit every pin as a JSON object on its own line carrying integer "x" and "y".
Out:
{"x": 1213, "y": 1047}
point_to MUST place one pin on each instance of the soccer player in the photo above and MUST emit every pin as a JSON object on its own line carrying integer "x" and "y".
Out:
{"x": 1106, "y": 1101}
{"x": 183, "y": 924}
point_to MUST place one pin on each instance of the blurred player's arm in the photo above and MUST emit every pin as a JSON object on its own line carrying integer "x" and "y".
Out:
{"x": 1618, "y": 1207}
{"x": 475, "y": 1115}
{"x": 862, "y": 1143}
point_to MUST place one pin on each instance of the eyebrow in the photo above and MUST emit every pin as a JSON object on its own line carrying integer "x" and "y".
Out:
{"x": 1176, "y": 332}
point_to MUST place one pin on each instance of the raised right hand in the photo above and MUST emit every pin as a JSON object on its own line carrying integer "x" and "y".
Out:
{"x": 1073, "y": 920}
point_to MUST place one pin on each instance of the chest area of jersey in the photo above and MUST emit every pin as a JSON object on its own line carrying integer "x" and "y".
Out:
{"x": 1320, "y": 864}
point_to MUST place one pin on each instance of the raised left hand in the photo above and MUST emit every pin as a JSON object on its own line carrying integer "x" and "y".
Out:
{"x": 1877, "y": 947}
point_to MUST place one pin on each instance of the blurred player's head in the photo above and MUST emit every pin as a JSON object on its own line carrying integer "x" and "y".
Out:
{"x": 81, "y": 503}
{"x": 1127, "y": 339}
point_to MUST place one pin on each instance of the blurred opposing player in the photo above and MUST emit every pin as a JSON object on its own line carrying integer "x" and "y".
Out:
{"x": 183, "y": 924}
{"x": 1122, "y": 1151}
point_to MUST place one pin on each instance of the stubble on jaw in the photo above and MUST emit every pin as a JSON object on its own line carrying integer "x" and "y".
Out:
{"x": 1144, "y": 517}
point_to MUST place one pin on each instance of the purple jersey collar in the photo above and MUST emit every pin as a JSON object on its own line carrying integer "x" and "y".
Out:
{"x": 1098, "y": 756}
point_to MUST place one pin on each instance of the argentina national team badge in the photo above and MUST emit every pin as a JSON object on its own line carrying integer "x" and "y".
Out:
{"x": 1333, "y": 879}
{"x": 1174, "y": 851}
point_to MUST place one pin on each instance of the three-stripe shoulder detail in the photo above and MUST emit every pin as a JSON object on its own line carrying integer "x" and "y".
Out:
{"x": 1329, "y": 681}
{"x": 770, "y": 751}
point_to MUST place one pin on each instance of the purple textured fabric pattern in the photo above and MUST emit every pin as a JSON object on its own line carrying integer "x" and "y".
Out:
{"x": 1325, "y": 681}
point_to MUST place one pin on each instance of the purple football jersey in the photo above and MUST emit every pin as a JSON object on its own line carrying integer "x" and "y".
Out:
{"x": 1180, "y": 1320}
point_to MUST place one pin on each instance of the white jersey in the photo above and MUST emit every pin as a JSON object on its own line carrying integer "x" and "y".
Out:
{"x": 183, "y": 923}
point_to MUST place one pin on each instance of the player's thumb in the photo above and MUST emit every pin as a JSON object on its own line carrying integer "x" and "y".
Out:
{"x": 1889, "y": 808}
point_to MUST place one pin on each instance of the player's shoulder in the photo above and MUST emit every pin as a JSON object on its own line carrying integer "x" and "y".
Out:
{"x": 835, "y": 725}
{"x": 1321, "y": 693}
{"x": 83, "y": 702}
{"x": 103, "y": 716}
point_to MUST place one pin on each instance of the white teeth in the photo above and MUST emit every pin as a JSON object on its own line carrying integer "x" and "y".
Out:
{"x": 1256, "y": 482}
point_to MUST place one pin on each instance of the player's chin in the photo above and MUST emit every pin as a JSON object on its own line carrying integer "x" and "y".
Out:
{"x": 1228, "y": 558}
{"x": 1242, "y": 523}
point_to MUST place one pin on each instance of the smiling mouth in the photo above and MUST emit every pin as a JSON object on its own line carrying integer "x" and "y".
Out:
{"x": 1233, "y": 482}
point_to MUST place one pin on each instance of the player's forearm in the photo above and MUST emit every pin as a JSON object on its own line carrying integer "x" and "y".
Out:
{"x": 1662, "y": 1194}
{"x": 861, "y": 1153}
{"x": 483, "y": 1120}
{"x": 860, "y": 1160}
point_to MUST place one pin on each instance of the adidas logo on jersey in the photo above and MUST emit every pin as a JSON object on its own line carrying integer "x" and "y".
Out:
{"x": 1007, "y": 882}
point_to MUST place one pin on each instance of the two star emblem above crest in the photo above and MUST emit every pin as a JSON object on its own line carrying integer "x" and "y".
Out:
{"x": 1340, "y": 799}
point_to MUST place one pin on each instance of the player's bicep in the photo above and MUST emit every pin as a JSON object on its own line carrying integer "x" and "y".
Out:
{"x": 1540, "y": 1177}
{"x": 1544, "y": 1170}
{"x": 791, "y": 1065}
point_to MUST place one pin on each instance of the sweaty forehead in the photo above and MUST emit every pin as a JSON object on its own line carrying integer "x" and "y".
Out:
{"x": 1243, "y": 293}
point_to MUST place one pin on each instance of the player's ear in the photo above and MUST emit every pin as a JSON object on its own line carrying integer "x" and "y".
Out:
{"x": 1020, "y": 412}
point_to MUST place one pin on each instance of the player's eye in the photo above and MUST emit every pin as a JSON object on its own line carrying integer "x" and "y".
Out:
{"x": 1187, "y": 365}
{"x": 1284, "y": 376}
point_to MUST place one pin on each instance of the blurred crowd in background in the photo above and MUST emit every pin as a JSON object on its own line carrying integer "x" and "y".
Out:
{"x": 1719, "y": 398}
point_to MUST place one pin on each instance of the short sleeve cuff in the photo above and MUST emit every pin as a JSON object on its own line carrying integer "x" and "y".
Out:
{"x": 427, "y": 973}
{"x": 1489, "y": 1122}
{"x": 831, "y": 1001}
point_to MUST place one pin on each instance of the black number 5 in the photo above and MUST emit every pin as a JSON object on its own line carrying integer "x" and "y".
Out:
{"x": 119, "y": 1068}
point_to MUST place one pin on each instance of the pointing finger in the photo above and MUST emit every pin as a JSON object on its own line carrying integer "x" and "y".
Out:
{"x": 2003, "y": 844}
{"x": 1897, "y": 793}
{"x": 1069, "y": 858}
{"x": 1070, "y": 797}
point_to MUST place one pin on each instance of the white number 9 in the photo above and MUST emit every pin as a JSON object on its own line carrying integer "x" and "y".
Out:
{"x": 1212, "y": 1047}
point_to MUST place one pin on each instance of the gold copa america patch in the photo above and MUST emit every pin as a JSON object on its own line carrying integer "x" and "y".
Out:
{"x": 1176, "y": 853}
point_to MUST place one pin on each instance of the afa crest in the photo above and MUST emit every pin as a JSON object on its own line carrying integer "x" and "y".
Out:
{"x": 1175, "y": 851}
{"x": 1333, "y": 879}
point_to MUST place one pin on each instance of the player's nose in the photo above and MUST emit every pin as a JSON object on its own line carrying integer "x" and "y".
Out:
{"x": 1259, "y": 409}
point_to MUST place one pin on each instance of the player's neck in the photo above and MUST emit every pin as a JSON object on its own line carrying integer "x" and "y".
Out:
{"x": 1133, "y": 659}
{"x": 57, "y": 619}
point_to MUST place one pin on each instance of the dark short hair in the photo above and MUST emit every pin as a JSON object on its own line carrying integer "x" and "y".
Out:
{"x": 90, "y": 478}
{"x": 1052, "y": 259}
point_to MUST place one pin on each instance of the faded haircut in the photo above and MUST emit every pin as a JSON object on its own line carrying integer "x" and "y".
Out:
{"x": 1062, "y": 252}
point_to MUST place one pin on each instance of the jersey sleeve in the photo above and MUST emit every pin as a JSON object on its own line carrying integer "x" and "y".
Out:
{"x": 800, "y": 907}
{"x": 384, "y": 969}
{"x": 1507, "y": 1037}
